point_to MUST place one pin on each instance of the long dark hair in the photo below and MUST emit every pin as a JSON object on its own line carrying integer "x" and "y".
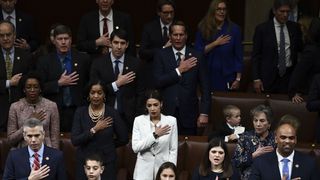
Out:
{"x": 154, "y": 94}
{"x": 205, "y": 165}
{"x": 167, "y": 165}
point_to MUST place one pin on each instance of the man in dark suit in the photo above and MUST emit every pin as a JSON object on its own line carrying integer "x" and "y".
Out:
{"x": 65, "y": 74}
{"x": 155, "y": 37}
{"x": 96, "y": 26}
{"x": 276, "y": 44}
{"x": 26, "y": 35}
{"x": 36, "y": 161}
{"x": 120, "y": 72}
{"x": 178, "y": 71}
{"x": 14, "y": 62}
{"x": 285, "y": 163}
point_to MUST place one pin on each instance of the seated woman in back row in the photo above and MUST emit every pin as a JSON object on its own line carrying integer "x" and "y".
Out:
{"x": 254, "y": 143}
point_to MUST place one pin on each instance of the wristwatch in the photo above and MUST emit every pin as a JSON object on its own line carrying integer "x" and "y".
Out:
{"x": 92, "y": 131}
{"x": 155, "y": 135}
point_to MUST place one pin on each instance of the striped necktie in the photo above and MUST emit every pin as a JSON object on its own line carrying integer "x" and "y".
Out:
{"x": 36, "y": 162}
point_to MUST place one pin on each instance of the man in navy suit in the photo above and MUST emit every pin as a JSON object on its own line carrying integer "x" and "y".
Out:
{"x": 10, "y": 74}
{"x": 26, "y": 35}
{"x": 178, "y": 71}
{"x": 94, "y": 34}
{"x": 276, "y": 44}
{"x": 285, "y": 163}
{"x": 65, "y": 74}
{"x": 120, "y": 72}
{"x": 36, "y": 161}
{"x": 155, "y": 37}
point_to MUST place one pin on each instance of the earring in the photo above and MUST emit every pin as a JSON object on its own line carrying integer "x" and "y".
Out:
{"x": 88, "y": 99}
{"x": 104, "y": 99}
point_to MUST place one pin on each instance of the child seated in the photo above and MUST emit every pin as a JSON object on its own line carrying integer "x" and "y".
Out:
{"x": 230, "y": 129}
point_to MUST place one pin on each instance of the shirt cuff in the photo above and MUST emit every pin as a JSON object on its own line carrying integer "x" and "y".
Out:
{"x": 226, "y": 139}
{"x": 114, "y": 87}
{"x": 179, "y": 74}
{"x": 7, "y": 83}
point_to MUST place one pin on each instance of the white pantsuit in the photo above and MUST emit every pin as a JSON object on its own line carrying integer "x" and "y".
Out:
{"x": 153, "y": 152}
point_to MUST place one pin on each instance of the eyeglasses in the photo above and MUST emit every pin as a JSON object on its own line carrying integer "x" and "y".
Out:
{"x": 221, "y": 9}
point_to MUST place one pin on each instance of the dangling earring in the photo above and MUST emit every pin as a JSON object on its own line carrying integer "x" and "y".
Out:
{"x": 88, "y": 99}
{"x": 104, "y": 99}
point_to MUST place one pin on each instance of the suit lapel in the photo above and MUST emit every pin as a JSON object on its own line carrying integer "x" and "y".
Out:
{"x": 273, "y": 36}
{"x": 96, "y": 24}
{"x": 109, "y": 66}
{"x": 274, "y": 164}
{"x": 26, "y": 160}
{"x": 296, "y": 166}
{"x": 46, "y": 157}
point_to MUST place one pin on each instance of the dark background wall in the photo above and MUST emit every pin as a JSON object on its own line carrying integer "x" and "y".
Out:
{"x": 69, "y": 12}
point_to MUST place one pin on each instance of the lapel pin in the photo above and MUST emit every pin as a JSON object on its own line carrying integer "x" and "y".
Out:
{"x": 47, "y": 158}
{"x": 75, "y": 64}
{"x": 117, "y": 27}
{"x": 20, "y": 19}
{"x": 190, "y": 54}
{"x": 18, "y": 58}
{"x": 297, "y": 165}
{"x": 127, "y": 68}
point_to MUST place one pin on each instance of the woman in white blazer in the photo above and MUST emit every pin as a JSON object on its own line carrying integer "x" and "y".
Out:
{"x": 154, "y": 138}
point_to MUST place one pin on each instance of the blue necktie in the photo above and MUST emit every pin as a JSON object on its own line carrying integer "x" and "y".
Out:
{"x": 282, "y": 53}
{"x": 118, "y": 95}
{"x": 67, "y": 99}
{"x": 165, "y": 35}
{"x": 285, "y": 168}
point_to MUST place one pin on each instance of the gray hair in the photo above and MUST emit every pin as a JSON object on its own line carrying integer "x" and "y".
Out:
{"x": 31, "y": 123}
{"x": 262, "y": 109}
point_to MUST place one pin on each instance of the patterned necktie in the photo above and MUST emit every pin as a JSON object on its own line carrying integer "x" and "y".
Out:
{"x": 282, "y": 53}
{"x": 105, "y": 25}
{"x": 178, "y": 58}
{"x": 8, "y": 65}
{"x": 285, "y": 168}
{"x": 36, "y": 162}
{"x": 165, "y": 35}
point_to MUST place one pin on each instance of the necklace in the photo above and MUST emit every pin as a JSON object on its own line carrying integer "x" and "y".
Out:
{"x": 95, "y": 116}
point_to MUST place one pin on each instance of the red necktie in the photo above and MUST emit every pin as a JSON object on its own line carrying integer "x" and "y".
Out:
{"x": 105, "y": 25}
{"x": 36, "y": 162}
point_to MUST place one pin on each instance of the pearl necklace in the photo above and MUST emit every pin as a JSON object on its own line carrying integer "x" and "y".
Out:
{"x": 95, "y": 116}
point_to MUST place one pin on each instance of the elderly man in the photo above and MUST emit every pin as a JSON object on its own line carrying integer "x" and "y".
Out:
{"x": 35, "y": 161}
{"x": 14, "y": 62}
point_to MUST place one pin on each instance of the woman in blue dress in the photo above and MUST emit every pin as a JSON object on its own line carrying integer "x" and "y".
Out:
{"x": 220, "y": 40}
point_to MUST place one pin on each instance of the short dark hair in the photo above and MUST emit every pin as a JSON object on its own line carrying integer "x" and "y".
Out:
{"x": 30, "y": 75}
{"x": 62, "y": 29}
{"x": 120, "y": 33}
{"x": 278, "y": 3}
{"x": 94, "y": 157}
{"x": 263, "y": 109}
{"x": 205, "y": 164}
{"x": 167, "y": 165}
{"x": 290, "y": 120}
{"x": 161, "y": 3}
{"x": 178, "y": 23}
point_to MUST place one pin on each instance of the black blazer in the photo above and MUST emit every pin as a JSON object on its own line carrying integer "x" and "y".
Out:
{"x": 182, "y": 91}
{"x": 265, "y": 51}
{"x": 222, "y": 131}
{"x": 49, "y": 67}
{"x": 89, "y": 31}
{"x": 102, "y": 142}
{"x": 18, "y": 164}
{"x": 266, "y": 167}
{"x": 25, "y": 29}
{"x": 306, "y": 68}
{"x": 21, "y": 64}
{"x": 131, "y": 94}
